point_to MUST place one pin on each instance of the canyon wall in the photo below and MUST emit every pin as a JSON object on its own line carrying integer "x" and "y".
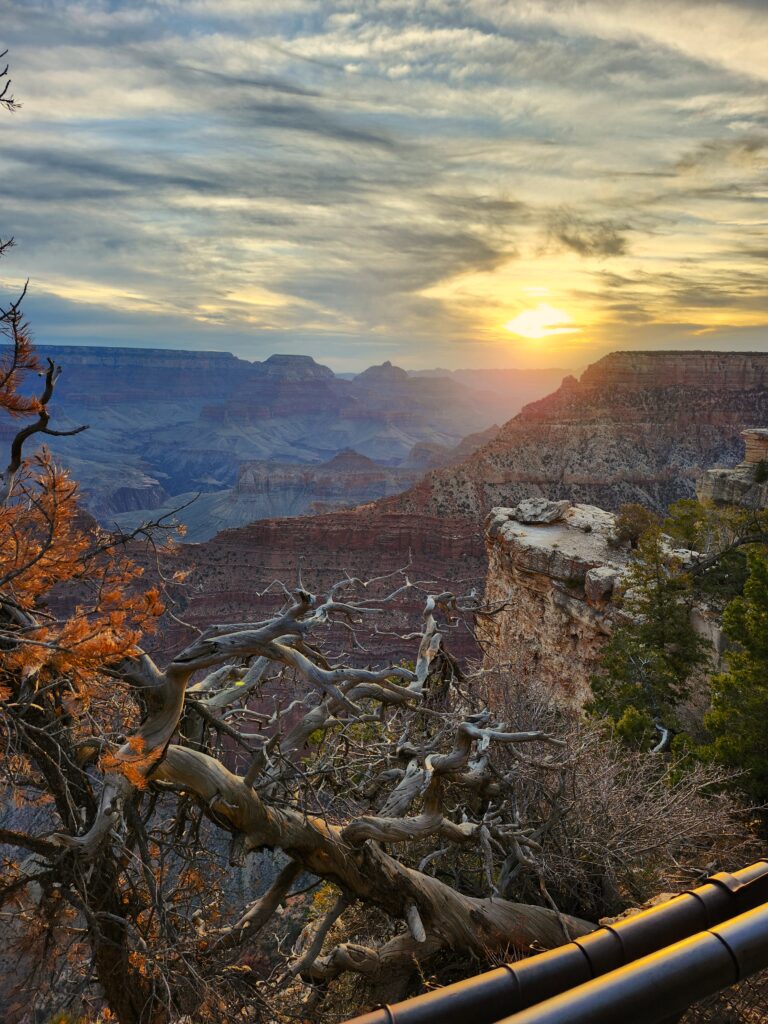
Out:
{"x": 230, "y": 574}
{"x": 552, "y": 569}
{"x": 265, "y": 490}
{"x": 636, "y": 427}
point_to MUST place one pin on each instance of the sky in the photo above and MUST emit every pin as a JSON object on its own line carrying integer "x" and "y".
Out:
{"x": 459, "y": 183}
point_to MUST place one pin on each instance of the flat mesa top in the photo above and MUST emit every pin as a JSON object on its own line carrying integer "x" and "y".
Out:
{"x": 579, "y": 532}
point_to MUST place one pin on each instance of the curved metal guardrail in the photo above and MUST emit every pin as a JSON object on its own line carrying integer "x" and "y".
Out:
{"x": 602, "y": 965}
{"x": 660, "y": 986}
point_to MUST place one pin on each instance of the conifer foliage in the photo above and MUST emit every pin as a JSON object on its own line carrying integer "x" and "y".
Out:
{"x": 738, "y": 719}
{"x": 647, "y": 665}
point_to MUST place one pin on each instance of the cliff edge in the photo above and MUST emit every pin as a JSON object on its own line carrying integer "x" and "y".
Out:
{"x": 552, "y": 569}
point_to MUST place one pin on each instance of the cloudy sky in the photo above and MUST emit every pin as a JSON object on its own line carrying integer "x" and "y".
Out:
{"x": 435, "y": 182}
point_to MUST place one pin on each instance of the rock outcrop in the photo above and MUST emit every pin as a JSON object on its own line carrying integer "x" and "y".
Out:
{"x": 557, "y": 576}
{"x": 552, "y": 568}
{"x": 745, "y": 484}
{"x": 636, "y": 427}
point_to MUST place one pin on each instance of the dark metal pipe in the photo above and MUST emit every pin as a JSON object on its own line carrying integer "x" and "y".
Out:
{"x": 488, "y": 997}
{"x": 664, "y": 984}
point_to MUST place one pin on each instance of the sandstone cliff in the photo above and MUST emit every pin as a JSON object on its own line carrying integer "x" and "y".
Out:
{"x": 552, "y": 568}
{"x": 557, "y": 576}
{"x": 637, "y": 426}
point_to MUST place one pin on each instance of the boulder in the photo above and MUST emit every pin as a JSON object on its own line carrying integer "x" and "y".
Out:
{"x": 540, "y": 510}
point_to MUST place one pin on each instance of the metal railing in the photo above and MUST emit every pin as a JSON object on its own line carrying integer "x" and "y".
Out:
{"x": 660, "y": 987}
{"x": 715, "y": 935}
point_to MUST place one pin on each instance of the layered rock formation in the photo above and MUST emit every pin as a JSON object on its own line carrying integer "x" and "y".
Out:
{"x": 104, "y": 376}
{"x": 636, "y": 427}
{"x": 267, "y": 489}
{"x": 552, "y": 568}
{"x": 745, "y": 484}
{"x": 517, "y": 387}
{"x": 166, "y": 422}
{"x": 230, "y": 574}
{"x": 281, "y": 386}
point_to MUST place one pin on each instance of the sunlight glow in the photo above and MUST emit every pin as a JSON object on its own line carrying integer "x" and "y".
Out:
{"x": 540, "y": 322}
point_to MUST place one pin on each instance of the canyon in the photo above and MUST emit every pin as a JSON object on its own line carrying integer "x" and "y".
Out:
{"x": 266, "y": 489}
{"x": 635, "y": 427}
{"x": 167, "y": 423}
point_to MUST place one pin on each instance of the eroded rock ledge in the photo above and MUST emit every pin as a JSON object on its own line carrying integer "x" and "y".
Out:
{"x": 745, "y": 484}
{"x": 556, "y": 567}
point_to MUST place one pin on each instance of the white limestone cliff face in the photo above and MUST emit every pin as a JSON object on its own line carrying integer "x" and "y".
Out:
{"x": 554, "y": 567}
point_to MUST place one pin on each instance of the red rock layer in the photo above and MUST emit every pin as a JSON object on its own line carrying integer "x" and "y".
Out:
{"x": 637, "y": 426}
{"x": 231, "y": 571}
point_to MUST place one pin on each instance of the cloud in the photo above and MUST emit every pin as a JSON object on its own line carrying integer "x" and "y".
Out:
{"x": 233, "y": 81}
{"x": 585, "y": 237}
{"x": 387, "y": 169}
{"x": 715, "y": 154}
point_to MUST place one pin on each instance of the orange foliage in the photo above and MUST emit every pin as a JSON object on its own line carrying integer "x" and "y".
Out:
{"x": 76, "y": 606}
{"x": 15, "y": 363}
{"x": 132, "y": 760}
{"x": 53, "y": 559}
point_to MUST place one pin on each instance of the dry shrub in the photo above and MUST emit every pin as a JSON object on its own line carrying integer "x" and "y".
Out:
{"x": 618, "y": 826}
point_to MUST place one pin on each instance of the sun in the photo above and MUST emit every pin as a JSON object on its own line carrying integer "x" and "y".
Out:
{"x": 540, "y": 322}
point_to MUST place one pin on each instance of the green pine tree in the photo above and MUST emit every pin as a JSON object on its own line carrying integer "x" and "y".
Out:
{"x": 738, "y": 719}
{"x": 646, "y": 666}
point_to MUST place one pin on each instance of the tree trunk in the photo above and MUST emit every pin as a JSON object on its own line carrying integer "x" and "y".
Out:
{"x": 449, "y": 918}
